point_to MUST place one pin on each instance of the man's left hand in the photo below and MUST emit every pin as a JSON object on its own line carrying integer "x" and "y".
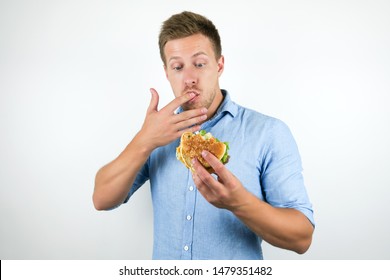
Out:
{"x": 226, "y": 192}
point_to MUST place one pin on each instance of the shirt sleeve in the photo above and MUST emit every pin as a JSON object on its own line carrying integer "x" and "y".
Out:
{"x": 142, "y": 177}
{"x": 281, "y": 176}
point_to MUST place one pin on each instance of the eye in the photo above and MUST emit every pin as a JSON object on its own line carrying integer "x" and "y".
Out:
{"x": 200, "y": 65}
{"x": 177, "y": 68}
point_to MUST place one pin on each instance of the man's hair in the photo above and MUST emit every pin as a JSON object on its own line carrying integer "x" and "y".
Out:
{"x": 186, "y": 24}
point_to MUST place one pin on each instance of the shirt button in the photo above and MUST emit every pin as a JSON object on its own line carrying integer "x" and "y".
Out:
{"x": 186, "y": 248}
{"x": 189, "y": 217}
{"x": 191, "y": 188}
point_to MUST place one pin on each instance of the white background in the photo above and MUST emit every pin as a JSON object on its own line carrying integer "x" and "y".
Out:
{"x": 74, "y": 86}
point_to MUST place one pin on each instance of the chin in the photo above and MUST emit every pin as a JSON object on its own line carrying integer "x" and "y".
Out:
{"x": 190, "y": 107}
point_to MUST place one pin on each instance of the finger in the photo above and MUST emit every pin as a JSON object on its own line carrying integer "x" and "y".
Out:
{"x": 186, "y": 124}
{"x": 175, "y": 103}
{"x": 196, "y": 177}
{"x": 187, "y": 115}
{"x": 188, "y": 121}
{"x": 191, "y": 129}
{"x": 206, "y": 192}
{"x": 153, "y": 106}
{"x": 216, "y": 164}
{"x": 206, "y": 178}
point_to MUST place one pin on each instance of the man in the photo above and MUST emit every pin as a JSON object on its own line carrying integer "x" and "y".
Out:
{"x": 259, "y": 195}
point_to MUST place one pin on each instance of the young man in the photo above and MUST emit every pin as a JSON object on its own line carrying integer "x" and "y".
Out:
{"x": 259, "y": 195}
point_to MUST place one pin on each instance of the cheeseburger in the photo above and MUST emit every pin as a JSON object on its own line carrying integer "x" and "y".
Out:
{"x": 192, "y": 145}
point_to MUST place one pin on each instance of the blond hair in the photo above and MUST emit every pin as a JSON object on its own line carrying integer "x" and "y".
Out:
{"x": 186, "y": 24}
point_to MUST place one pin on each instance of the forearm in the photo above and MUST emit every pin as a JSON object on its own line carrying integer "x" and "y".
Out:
{"x": 114, "y": 180}
{"x": 282, "y": 227}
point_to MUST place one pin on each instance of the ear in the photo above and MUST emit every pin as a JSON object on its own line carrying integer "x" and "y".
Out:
{"x": 221, "y": 65}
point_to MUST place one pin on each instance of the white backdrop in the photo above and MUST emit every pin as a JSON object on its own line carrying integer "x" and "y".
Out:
{"x": 74, "y": 80}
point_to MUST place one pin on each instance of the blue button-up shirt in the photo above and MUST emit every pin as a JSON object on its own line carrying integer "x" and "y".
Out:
{"x": 263, "y": 156}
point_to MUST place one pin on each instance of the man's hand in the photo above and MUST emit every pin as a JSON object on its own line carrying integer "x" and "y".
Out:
{"x": 161, "y": 127}
{"x": 114, "y": 180}
{"x": 226, "y": 192}
{"x": 286, "y": 228}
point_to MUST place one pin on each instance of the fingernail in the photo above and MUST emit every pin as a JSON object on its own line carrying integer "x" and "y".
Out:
{"x": 204, "y": 110}
{"x": 191, "y": 94}
{"x": 204, "y": 153}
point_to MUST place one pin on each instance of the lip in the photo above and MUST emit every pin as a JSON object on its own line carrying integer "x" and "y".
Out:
{"x": 194, "y": 92}
{"x": 193, "y": 99}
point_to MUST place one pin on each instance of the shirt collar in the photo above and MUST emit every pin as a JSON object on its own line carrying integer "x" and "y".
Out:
{"x": 227, "y": 105}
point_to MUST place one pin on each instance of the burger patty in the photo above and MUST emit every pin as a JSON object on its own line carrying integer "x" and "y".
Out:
{"x": 195, "y": 144}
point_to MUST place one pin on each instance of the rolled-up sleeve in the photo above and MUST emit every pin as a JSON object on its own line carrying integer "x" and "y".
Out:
{"x": 142, "y": 177}
{"x": 281, "y": 176}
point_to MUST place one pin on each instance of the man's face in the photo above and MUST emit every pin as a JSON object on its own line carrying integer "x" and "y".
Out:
{"x": 191, "y": 66}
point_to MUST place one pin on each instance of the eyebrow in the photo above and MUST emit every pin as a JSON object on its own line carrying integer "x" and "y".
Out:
{"x": 194, "y": 55}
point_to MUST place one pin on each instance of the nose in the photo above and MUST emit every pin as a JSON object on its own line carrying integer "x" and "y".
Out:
{"x": 190, "y": 82}
{"x": 190, "y": 78}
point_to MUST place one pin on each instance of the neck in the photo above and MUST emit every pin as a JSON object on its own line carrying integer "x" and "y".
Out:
{"x": 215, "y": 105}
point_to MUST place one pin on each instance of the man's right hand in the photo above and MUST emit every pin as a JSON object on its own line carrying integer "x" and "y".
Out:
{"x": 163, "y": 126}
{"x": 114, "y": 180}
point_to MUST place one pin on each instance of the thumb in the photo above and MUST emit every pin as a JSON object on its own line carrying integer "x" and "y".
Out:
{"x": 154, "y": 101}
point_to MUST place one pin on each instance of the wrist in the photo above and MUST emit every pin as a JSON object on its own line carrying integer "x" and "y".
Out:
{"x": 143, "y": 143}
{"x": 247, "y": 203}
